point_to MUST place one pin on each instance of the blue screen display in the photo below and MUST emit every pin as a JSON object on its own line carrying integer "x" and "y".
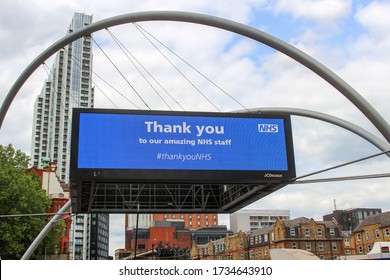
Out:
{"x": 181, "y": 142}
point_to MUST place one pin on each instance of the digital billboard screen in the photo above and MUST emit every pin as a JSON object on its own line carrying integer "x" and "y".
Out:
{"x": 182, "y": 147}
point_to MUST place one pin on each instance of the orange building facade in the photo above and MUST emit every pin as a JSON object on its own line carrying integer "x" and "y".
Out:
{"x": 191, "y": 221}
{"x": 52, "y": 185}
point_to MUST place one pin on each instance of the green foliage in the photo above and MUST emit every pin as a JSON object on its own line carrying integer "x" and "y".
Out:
{"x": 20, "y": 193}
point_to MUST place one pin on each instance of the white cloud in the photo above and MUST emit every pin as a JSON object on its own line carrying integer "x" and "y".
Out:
{"x": 375, "y": 18}
{"x": 117, "y": 233}
{"x": 323, "y": 12}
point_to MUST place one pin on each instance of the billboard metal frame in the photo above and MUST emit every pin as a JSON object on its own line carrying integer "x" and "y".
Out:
{"x": 233, "y": 163}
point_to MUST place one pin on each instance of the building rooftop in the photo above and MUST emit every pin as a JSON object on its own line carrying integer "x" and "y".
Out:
{"x": 383, "y": 219}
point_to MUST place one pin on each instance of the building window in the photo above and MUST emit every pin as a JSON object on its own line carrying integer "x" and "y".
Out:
{"x": 359, "y": 237}
{"x": 265, "y": 251}
{"x": 321, "y": 246}
{"x": 331, "y": 231}
{"x": 377, "y": 235}
{"x": 292, "y": 231}
{"x": 368, "y": 235}
{"x": 334, "y": 246}
{"x": 308, "y": 246}
{"x": 294, "y": 245}
{"x": 387, "y": 232}
{"x": 265, "y": 238}
{"x": 369, "y": 247}
{"x": 307, "y": 231}
{"x": 360, "y": 250}
{"x": 319, "y": 231}
{"x": 347, "y": 252}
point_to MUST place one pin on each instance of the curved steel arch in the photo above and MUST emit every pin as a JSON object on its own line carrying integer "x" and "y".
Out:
{"x": 369, "y": 111}
{"x": 292, "y": 111}
{"x": 377, "y": 142}
{"x": 344, "y": 88}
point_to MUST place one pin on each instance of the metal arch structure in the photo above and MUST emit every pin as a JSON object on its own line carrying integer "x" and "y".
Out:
{"x": 255, "y": 192}
{"x": 344, "y": 88}
{"x": 371, "y": 138}
{"x": 251, "y": 193}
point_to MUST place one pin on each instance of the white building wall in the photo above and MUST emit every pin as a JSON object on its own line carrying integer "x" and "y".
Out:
{"x": 144, "y": 221}
{"x": 249, "y": 219}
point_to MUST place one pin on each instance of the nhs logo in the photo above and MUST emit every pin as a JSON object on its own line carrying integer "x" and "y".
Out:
{"x": 273, "y": 128}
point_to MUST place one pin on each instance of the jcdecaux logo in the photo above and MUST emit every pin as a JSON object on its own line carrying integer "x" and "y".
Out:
{"x": 268, "y": 128}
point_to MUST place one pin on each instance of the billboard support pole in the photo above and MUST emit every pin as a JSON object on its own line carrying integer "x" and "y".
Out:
{"x": 136, "y": 234}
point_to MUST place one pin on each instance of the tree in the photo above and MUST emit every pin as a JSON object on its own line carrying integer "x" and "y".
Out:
{"x": 20, "y": 193}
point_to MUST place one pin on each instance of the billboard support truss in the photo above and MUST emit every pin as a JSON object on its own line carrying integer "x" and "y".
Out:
{"x": 104, "y": 197}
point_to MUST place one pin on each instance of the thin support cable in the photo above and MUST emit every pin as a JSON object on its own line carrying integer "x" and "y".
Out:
{"x": 26, "y": 215}
{"x": 77, "y": 62}
{"x": 126, "y": 52}
{"x": 338, "y": 166}
{"x": 117, "y": 91}
{"x": 123, "y": 76}
{"x": 150, "y": 74}
{"x": 345, "y": 178}
{"x": 178, "y": 70}
{"x": 105, "y": 95}
{"x": 192, "y": 67}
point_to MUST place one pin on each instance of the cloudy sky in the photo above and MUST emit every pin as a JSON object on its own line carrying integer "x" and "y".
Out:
{"x": 351, "y": 38}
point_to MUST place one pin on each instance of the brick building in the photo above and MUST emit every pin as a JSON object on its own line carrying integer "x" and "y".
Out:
{"x": 191, "y": 221}
{"x": 375, "y": 228}
{"x": 322, "y": 238}
{"x": 53, "y": 187}
{"x": 349, "y": 219}
{"x": 231, "y": 247}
